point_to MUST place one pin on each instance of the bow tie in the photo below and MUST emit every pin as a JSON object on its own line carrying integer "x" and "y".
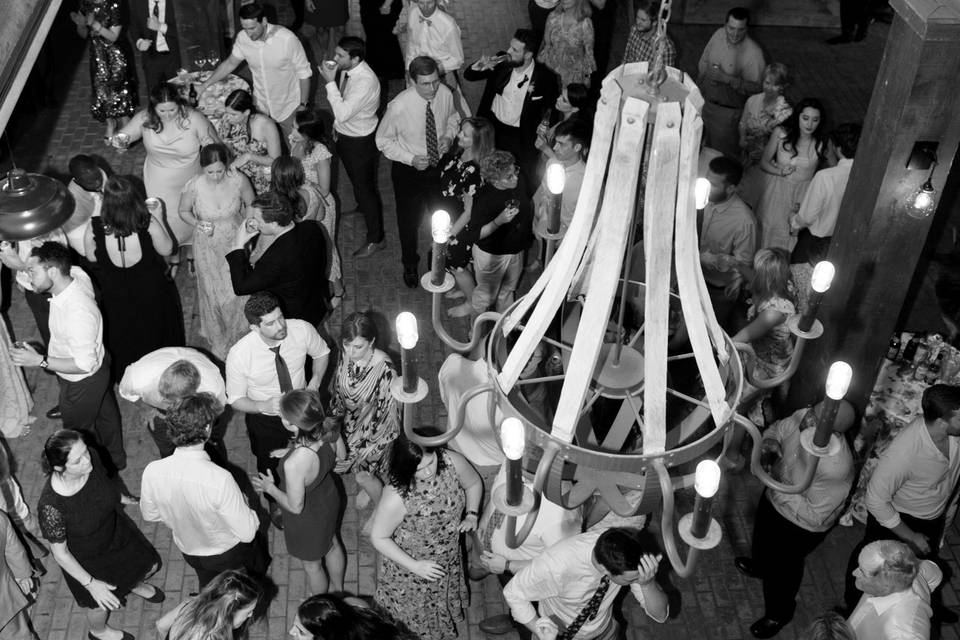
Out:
{"x": 427, "y": 20}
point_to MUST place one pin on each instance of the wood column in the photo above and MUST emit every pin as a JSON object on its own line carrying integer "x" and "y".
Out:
{"x": 876, "y": 245}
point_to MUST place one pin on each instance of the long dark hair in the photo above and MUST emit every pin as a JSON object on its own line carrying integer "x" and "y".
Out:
{"x": 161, "y": 93}
{"x": 241, "y": 100}
{"x": 359, "y": 324}
{"x": 286, "y": 177}
{"x": 792, "y": 127}
{"x": 124, "y": 211}
{"x": 304, "y": 409}
{"x": 311, "y": 126}
{"x": 57, "y": 448}
{"x": 329, "y": 617}
{"x": 405, "y": 455}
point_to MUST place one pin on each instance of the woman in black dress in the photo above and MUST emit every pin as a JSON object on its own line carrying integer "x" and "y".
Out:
{"x": 140, "y": 303}
{"x": 104, "y": 557}
{"x": 383, "y": 54}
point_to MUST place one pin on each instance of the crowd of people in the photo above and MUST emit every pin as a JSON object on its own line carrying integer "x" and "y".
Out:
{"x": 248, "y": 201}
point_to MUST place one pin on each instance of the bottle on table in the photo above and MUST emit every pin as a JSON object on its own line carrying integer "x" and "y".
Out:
{"x": 935, "y": 367}
{"x": 910, "y": 351}
{"x": 192, "y": 96}
{"x": 894, "y": 349}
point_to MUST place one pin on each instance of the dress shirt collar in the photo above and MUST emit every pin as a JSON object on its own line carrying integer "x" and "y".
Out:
{"x": 519, "y": 72}
{"x": 192, "y": 452}
{"x": 270, "y": 31}
{"x": 882, "y": 604}
{"x": 67, "y": 291}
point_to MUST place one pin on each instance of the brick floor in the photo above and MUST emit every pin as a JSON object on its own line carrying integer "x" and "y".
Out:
{"x": 715, "y": 603}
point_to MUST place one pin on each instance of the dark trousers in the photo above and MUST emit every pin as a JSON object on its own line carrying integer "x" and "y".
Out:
{"x": 511, "y": 139}
{"x": 807, "y": 245}
{"x": 779, "y": 550}
{"x": 159, "y": 67}
{"x": 360, "y": 158}
{"x": 933, "y": 529}
{"x": 266, "y": 433}
{"x": 603, "y": 21}
{"x": 538, "y": 18}
{"x": 853, "y": 17}
{"x": 89, "y": 406}
{"x": 251, "y": 556}
{"x": 39, "y": 304}
{"x": 416, "y": 192}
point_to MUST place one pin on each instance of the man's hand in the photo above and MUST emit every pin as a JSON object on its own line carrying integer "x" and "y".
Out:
{"x": 547, "y": 629}
{"x": 78, "y": 18}
{"x": 483, "y": 64}
{"x": 648, "y": 567}
{"x": 143, "y": 44}
{"x": 493, "y": 563}
{"x": 421, "y": 163}
{"x": 328, "y": 75}
{"x": 24, "y": 355}
{"x": 919, "y": 543}
{"x": 709, "y": 259}
{"x": 243, "y": 234}
{"x": 507, "y": 215}
{"x": 443, "y": 144}
{"x": 716, "y": 74}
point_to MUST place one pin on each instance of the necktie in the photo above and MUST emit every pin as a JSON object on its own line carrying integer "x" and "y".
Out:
{"x": 283, "y": 373}
{"x": 433, "y": 147}
{"x": 589, "y": 611}
{"x": 343, "y": 82}
{"x": 161, "y": 44}
{"x": 427, "y": 20}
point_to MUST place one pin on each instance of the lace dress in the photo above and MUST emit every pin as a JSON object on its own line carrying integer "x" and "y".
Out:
{"x": 458, "y": 178}
{"x": 774, "y": 348}
{"x": 568, "y": 48}
{"x": 782, "y": 195}
{"x": 236, "y": 135}
{"x": 113, "y": 79}
{"x": 429, "y": 531}
{"x": 219, "y": 211}
{"x": 99, "y": 534}
{"x": 327, "y": 213}
{"x": 371, "y": 417}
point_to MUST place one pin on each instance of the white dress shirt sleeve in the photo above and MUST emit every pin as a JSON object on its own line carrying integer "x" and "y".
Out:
{"x": 129, "y": 384}
{"x": 452, "y": 127}
{"x": 637, "y": 592}
{"x": 82, "y": 338}
{"x": 892, "y": 470}
{"x": 537, "y": 581}
{"x": 298, "y": 58}
{"x": 814, "y": 201}
{"x": 316, "y": 346}
{"x": 360, "y": 88}
{"x": 388, "y": 136}
{"x": 236, "y": 379}
{"x": 147, "y": 505}
{"x": 235, "y": 512}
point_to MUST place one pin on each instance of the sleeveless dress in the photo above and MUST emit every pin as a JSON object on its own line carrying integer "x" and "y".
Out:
{"x": 327, "y": 211}
{"x": 99, "y": 534}
{"x": 774, "y": 348}
{"x": 429, "y": 531}
{"x": 221, "y": 311}
{"x": 236, "y": 136}
{"x": 371, "y": 417}
{"x": 459, "y": 178}
{"x": 758, "y": 123}
{"x": 309, "y": 534}
{"x": 781, "y": 196}
{"x": 141, "y": 306}
{"x": 173, "y": 157}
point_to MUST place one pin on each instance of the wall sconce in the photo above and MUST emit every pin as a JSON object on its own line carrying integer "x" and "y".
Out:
{"x": 922, "y": 202}
{"x": 701, "y": 192}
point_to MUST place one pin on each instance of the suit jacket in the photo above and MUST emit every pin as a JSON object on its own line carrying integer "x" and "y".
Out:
{"x": 140, "y": 13}
{"x": 543, "y": 96}
{"x": 16, "y": 565}
{"x": 293, "y": 269}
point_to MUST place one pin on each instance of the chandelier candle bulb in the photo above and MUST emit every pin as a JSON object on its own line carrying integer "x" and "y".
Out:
{"x": 701, "y": 192}
{"x": 556, "y": 182}
{"x": 440, "y": 228}
{"x": 820, "y": 282}
{"x": 513, "y": 441}
{"x": 838, "y": 381}
{"x": 407, "y": 336}
{"x": 706, "y": 482}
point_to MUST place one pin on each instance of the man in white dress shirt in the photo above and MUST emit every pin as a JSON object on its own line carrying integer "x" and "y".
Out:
{"x": 278, "y": 63}
{"x": 76, "y": 353}
{"x": 355, "y": 102}
{"x": 162, "y": 378}
{"x": 212, "y": 524}
{"x": 896, "y": 588}
{"x": 434, "y": 33}
{"x": 265, "y": 364}
{"x": 415, "y": 150}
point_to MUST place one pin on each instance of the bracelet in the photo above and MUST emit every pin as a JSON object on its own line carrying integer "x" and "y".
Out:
{"x": 89, "y": 582}
{"x": 471, "y": 512}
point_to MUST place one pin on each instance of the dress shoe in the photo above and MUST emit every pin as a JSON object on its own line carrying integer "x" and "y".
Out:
{"x": 54, "y": 413}
{"x": 746, "y": 566}
{"x": 157, "y": 597}
{"x": 369, "y": 249}
{"x": 126, "y": 636}
{"x": 497, "y": 625}
{"x": 767, "y": 627}
{"x": 411, "y": 277}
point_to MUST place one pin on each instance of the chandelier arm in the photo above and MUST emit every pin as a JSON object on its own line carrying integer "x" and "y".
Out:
{"x": 450, "y": 341}
{"x": 516, "y": 538}
{"x": 683, "y": 569}
{"x": 459, "y": 419}
{"x": 765, "y": 477}
{"x": 775, "y": 381}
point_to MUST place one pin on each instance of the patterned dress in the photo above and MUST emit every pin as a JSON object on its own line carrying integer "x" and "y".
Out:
{"x": 15, "y": 400}
{"x": 775, "y": 347}
{"x": 218, "y": 209}
{"x": 236, "y": 135}
{"x": 429, "y": 531}
{"x": 371, "y": 417}
{"x": 757, "y": 123}
{"x": 113, "y": 80}
{"x": 459, "y": 177}
{"x": 568, "y": 48}
{"x": 327, "y": 209}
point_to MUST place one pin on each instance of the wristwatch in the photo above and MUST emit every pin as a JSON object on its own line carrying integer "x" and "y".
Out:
{"x": 43, "y": 363}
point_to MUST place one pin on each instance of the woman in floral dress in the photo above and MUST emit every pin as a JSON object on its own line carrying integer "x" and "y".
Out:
{"x": 371, "y": 417}
{"x": 762, "y": 112}
{"x": 432, "y": 496}
{"x": 253, "y": 138}
{"x": 213, "y": 203}
{"x": 568, "y": 43}
{"x": 113, "y": 80}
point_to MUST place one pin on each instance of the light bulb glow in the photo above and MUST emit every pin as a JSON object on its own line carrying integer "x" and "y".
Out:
{"x": 556, "y": 178}
{"x": 707, "y": 479}
{"x": 407, "y": 334}
{"x": 513, "y": 438}
{"x": 701, "y": 191}
{"x": 440, "y": 226}
{"x": 822, "y": 276}
{"x": 923, "y": 201}
{"x": 838, "y": 380}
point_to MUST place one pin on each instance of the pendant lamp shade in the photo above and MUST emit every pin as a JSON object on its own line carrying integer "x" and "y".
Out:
{"x": 32, "y": 204}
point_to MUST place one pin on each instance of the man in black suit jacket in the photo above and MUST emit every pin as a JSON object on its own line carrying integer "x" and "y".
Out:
{"x": 293, "y": 267}
{"x": 517, "y": 95}
{"x": 150, "y": 19}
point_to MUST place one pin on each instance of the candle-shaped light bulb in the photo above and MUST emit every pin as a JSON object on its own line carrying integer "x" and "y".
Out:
{"x": 407, "y": 334}
{"x": 556, "y": 178}
{"x": 838, "y": 380}
{"x": 440, "y": 226}
{"x": 822, "y": 276}
{"x": 707, "y": 479}
{"x": 701, "y": 192}
{"x": 513, "y": 441}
